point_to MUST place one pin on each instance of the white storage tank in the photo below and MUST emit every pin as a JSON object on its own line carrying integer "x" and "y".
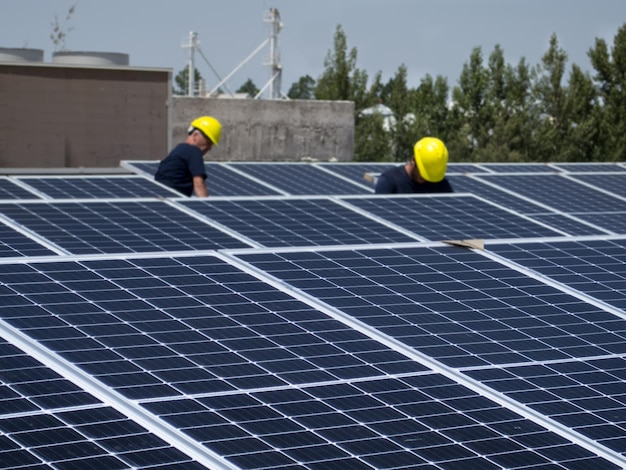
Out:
{"x": 90, "y": 58}
{"x": 20, "y": 54}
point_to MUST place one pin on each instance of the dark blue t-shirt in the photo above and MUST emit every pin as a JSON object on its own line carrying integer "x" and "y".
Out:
{"x": 396, "y": 181}
{"x": 178, "y": 169}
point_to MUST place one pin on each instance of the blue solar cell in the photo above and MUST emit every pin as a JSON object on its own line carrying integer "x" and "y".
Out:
{"x": 221, "y": 180}
{"x": 615, "y": 183}
{"x": 596, "y": 268}
{"x": 586, "y": 396}
{"x": 297, "y": 222}
{"x": 10, "y": 190}
{"x": 46, "y": 420}
{"x": 572, "y": 225}
{"x": 451, "y": 217}
{"x": 518, "y": 167}
{"x": 558, "y": 192}
{"x": 478, "y": 312}
{"x": 117, "y": 227}
{"x": 300, "y": 179}
{"x": 96, "y": 187}
{"x": 14, "y": 243}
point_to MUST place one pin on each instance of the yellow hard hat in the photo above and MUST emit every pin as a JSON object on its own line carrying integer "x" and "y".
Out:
{"x": 431, "y": 157}
{"x": 209, "y": 126}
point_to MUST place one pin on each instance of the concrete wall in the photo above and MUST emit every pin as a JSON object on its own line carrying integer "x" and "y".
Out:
{"x": 81, "y": 116}
{"x": 272, "y": 130}
{"x": 71, "y": 116}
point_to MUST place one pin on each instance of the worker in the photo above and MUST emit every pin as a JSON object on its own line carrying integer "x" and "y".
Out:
{"x": 183, "y": 169}
{"x": 424, "y": 173}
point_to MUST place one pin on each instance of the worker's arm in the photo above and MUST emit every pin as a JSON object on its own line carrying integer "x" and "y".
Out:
{"x": 199, "y": 187}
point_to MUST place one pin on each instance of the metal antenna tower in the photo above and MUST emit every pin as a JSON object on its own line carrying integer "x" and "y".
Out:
{"x": 192, "y": 45}
{"x": 276, "y": 67}
{"x": 274, "y": 83}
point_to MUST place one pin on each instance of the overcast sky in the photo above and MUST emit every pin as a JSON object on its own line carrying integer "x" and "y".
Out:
{"x": 433, "y": 37}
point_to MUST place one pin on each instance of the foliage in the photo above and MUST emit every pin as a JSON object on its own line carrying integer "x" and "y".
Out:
{"x": 249, "y": 87}
{"x": 303, "y": 89}
{"x": 496, "y": 112}
{"x": 182, "y": 80}
{"x": 60, "y": 30}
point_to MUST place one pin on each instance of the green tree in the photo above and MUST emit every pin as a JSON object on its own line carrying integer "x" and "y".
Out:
{"x": 303, "y": 89}
{"x": 610, "y": 81}
{"x": 182, "y": 80}
{"x": 372, "y": 143}
{"x": 341, "y": 80}
{"x": 248, "y": 87}
{"x": 471, "y": 113}
{"x": 550, "y": 98}
{"x": 395, "y": 95}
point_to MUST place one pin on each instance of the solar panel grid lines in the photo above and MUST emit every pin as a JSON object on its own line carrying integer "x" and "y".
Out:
{"x": 160, "y": 267}
{"x": 450, "y": 372}
{"x": 536, "y": 205}
{"x": 362, "y": 183}
{"x": 556, "y": 191}
{"x": 451, "y": 216}
{"x": 110, "y": 226}
{"x": 351, "y": 337}
{"x": 583, "y": 167}
{"x": 567, "y": 390}
{"x": 298, "y": 221}
{"x": 95, "y": 186}
{"x": 611, "y": 184}
{"x": 574, "y": 225}
{"x": 92, "y": 392}
{"x": 591, "y": 267}
{"x": 10, "y": 188}
{"x": 300, "y": 179}
{"x": 517, "y": 168}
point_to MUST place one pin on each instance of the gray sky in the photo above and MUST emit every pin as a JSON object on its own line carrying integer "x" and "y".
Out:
{"x": 427, "y": 36}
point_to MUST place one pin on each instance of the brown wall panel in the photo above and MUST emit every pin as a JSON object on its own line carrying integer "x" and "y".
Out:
{"x": 59, "y": 116}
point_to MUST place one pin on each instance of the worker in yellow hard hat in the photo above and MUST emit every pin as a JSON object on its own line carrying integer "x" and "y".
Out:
{"x": 183, "y": 169}
{"x": 424, "y": 173}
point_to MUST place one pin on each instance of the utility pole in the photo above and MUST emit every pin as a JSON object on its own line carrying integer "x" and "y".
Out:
{"x": 274, "y": 63}
{"x": 192, "y": 46}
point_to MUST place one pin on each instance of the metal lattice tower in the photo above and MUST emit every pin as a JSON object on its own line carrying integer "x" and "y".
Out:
{"x": 276, "y": 67}
{"x": 192, "y": 45}
{"x": 274, "y": 83}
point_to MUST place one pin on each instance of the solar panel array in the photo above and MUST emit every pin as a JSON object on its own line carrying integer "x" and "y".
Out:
{"x": 294, "y": 319}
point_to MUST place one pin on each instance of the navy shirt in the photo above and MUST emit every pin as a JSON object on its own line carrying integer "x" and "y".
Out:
{"x": 178, "y": 169}
{"x": 397, "y": 180}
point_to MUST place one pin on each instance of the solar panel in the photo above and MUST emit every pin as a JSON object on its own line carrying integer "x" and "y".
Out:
{"x": 584, "y": 395}
{"x": 557, "y": 192}
{"x": 10, "y": 190}
{"x": 46, "y": 421}
{"x": 572, "y": 224}
{"x": 117, "y": 226}
{"x": 614, "y": 183}
{"x": 454, "y": 305}
{"x": 96, "y": 187}
{"x": 361, "y": 173}
{"x": 517, "y": 167}
{"x": 221, "y": 179}
{"x": 595, "y": 267}
{"x": 323, "y": 330}
{"x": 584, "y": 167}
{"x": 453, "y": 216}
{"x": 300, "y": 179}
{"x": 297, "y": 222}
{"x": 258, "y": 377}
{"x": 14, "y": 243}
{"x": 478, "y": 187}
